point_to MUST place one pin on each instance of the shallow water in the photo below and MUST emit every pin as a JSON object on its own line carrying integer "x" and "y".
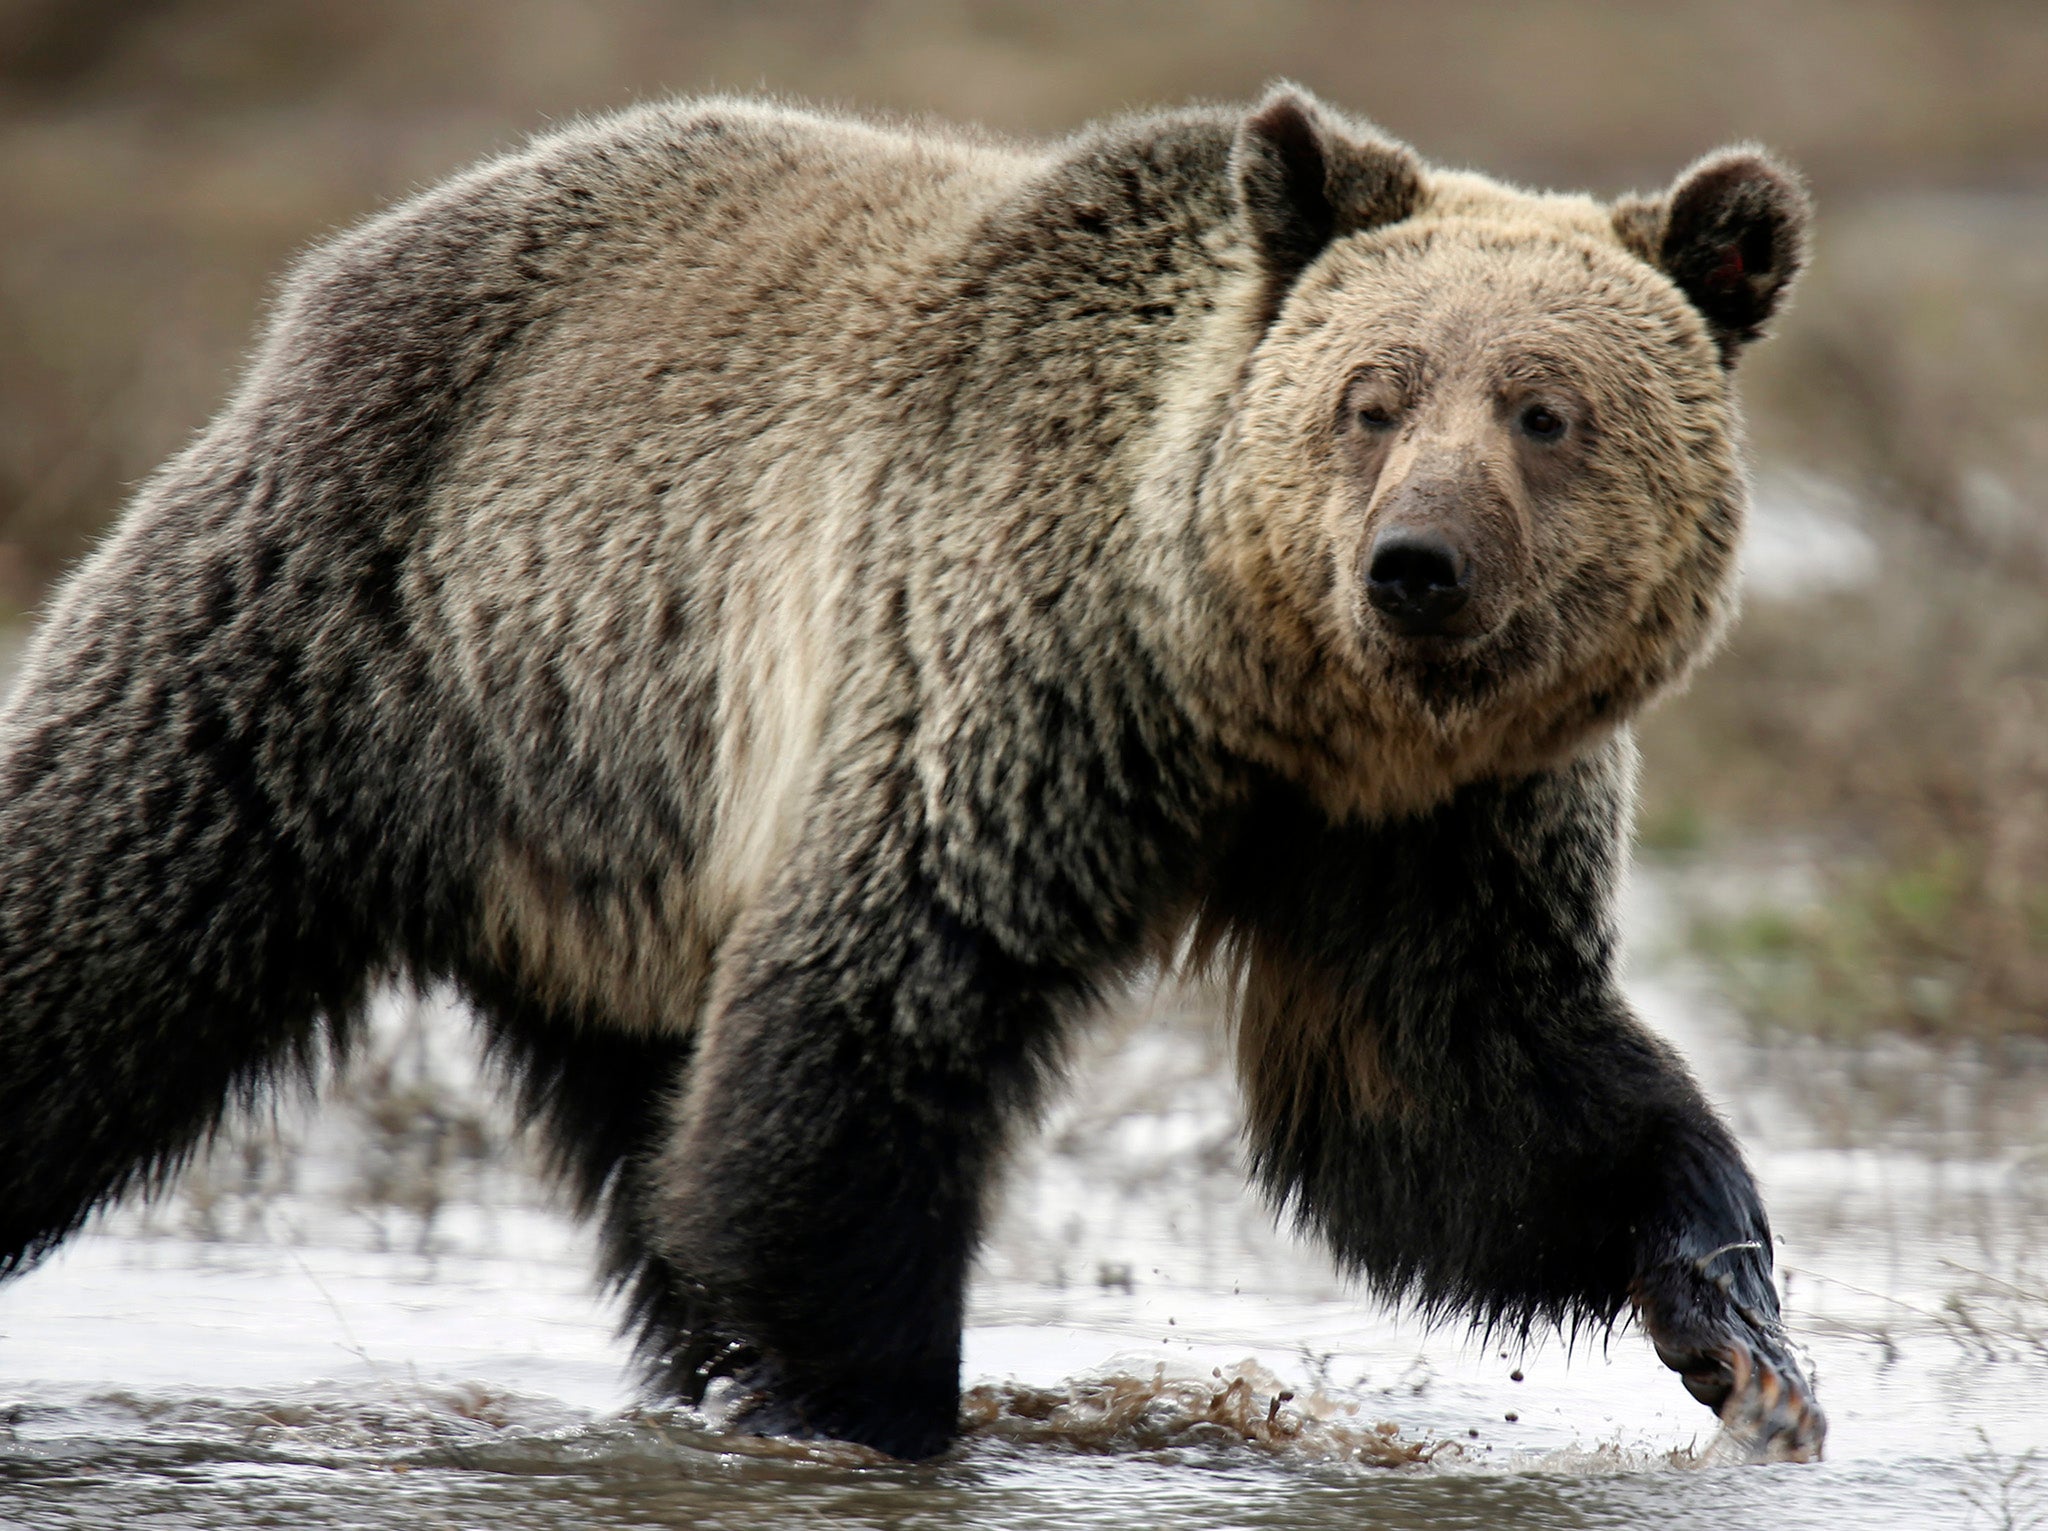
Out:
{"x": 434, "y": 1462}
{"x": 327, "y": 1357}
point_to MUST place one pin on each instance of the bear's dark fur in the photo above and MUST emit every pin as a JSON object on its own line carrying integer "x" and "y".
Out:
{"x": 783, "y": 612}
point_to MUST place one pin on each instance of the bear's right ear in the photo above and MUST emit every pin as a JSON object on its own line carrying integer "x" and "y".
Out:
{"x": 1305, "y": 177}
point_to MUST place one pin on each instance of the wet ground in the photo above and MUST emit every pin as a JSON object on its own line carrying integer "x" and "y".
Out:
{"x": 339, "y": 1328}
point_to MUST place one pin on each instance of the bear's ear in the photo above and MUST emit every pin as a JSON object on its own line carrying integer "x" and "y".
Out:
{"x": 1304, "y": 176}
{"x": 1731, "y": 233}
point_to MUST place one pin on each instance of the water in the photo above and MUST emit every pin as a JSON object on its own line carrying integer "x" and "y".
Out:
{"x": 309, "y": 1340}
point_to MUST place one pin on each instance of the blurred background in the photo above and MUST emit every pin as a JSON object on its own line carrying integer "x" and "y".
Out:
{"x": 1840, "y": 911}
{"x": 1860, "y": 784}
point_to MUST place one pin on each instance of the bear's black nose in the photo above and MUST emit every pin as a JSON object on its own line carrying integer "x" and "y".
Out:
{"x": 1417, "y": 581}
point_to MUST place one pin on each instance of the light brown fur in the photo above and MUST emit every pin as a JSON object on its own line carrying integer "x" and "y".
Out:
{"x": 1655, "y": 533}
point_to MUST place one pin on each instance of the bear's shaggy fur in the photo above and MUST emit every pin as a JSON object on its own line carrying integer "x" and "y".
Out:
{"x": 783, "y": 611}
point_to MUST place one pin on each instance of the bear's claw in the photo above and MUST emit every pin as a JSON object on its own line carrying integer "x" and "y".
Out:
{"x": 1762, "y": 1397}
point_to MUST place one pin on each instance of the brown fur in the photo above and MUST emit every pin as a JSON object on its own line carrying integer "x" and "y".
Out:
{"x": 783, "y": 611}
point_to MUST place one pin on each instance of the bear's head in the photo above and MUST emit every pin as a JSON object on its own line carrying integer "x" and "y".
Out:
{"x": 1480, "y": 485}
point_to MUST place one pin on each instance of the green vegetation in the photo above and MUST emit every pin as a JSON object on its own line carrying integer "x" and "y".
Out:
{"x": 1886, "y": 949}
{"x": 1896, "y": 724}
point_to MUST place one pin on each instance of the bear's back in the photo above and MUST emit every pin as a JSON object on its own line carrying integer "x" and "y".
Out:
{"x": 632, "y": 552}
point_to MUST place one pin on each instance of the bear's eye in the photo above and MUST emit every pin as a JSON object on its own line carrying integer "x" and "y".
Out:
{"x": 1544, "y": 424}
{"x": 1375, "y": 417}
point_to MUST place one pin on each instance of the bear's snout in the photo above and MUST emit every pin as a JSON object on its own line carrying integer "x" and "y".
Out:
{"x": 1446, "y": 553}
{"x": 1421, "y": 582}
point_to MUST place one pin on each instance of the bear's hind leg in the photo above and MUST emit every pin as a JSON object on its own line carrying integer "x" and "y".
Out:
{"x": 164, "y": 952}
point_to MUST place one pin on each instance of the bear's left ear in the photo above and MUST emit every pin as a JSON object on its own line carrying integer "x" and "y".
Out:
{"x": 1304, "y": 177}
{"x": 1731, "y": 233}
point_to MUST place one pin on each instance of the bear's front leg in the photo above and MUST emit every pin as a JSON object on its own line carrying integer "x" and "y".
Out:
{"x": 823, "y": 1187}
{"x": 1445, "y": 1083}
{"x": 1711, "y": 1312}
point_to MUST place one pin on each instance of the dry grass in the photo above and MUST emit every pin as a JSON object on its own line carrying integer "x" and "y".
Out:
{"x": 405, "y": 1130}
{"x": 1247, "y": 1408}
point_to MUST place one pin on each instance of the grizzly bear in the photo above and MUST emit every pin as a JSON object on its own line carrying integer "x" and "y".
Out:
{"x": 783, "y": 612}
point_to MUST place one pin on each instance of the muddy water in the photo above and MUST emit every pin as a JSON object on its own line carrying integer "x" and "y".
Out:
{"x": 314, "y": 1348}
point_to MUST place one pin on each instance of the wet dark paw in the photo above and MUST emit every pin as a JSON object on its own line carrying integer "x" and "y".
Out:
{"x": 761, "y": 1401}
{"x": 765, "y": 1414}
{"x": 1762, "y": 1397}
{"x": 1718, "y": 1329}
{"x": 753, "y": 1398}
